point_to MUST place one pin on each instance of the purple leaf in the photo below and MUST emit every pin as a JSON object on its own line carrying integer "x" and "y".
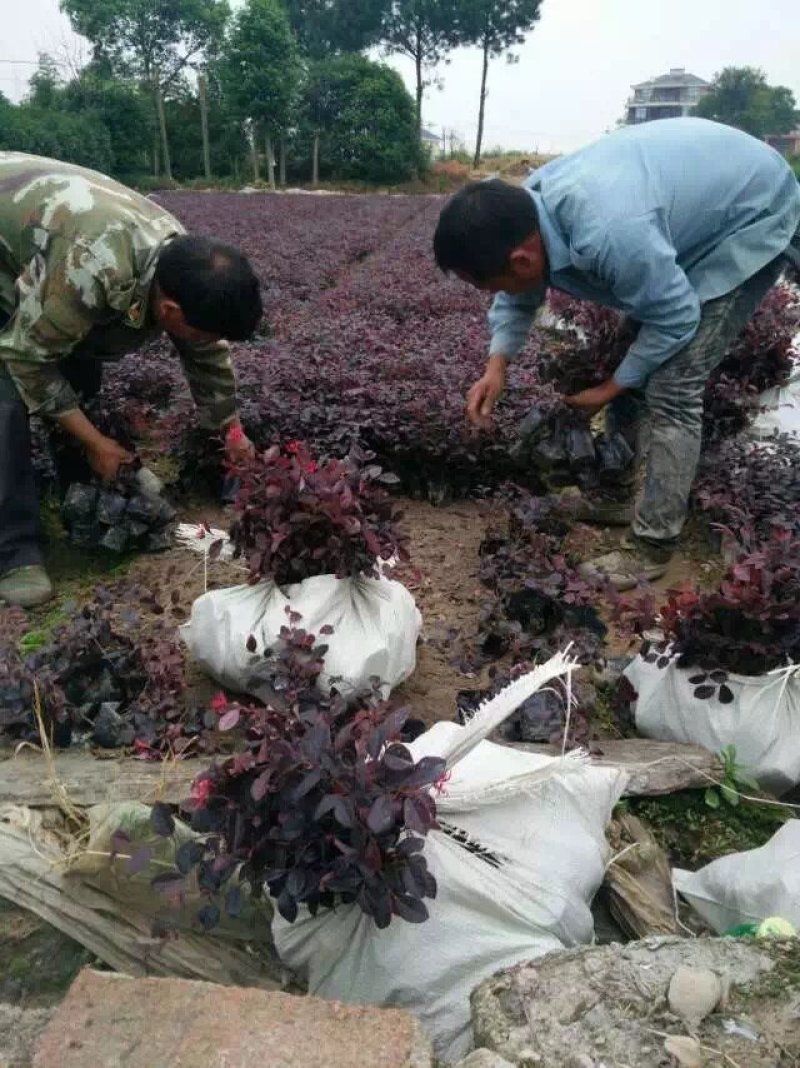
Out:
{"x": 408, "y": 908}
{"x": 230, "y": 719}
{"x": 208, "y": 917}
{"x": 380, "y": 818}
{"x": 139, "y": 860}
{"x": 162, "y": 820}
{"x": 703, "y": 693}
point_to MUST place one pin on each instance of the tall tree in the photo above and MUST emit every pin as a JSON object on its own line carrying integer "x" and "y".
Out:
{"x": 261, "y": 71}
{"x": 154, "y": 40}
{"x": 425, "y": 31}
{"x": 122, "y": 107}
{"x": 495, "y": 26}
{"x": 740, "y": 96}
{"x": 45, "y": 83}
{"x": 359, "y": 116}
{"x": 328, "y": 27}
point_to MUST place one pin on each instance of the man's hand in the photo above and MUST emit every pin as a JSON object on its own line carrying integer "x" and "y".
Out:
{"x": 238, "y": 447}
{"x": 590, "y": 401}
{"x": 483, "y": 396}
{"x": 106, "y": 456}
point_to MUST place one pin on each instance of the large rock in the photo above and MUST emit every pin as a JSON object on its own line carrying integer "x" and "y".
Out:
{"x": 111, "y": 1021}
{"x": 484, "y": 1058}
{"x": 19, "y": 1030}
{"x": 609, "y": 1004}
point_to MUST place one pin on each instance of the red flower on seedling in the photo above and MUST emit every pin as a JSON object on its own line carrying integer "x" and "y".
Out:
{"x": 218, "y": 703}
{"x": 235, "y": 435}
{"x": 202, "y": 789}
{"x": 440, "y": 783}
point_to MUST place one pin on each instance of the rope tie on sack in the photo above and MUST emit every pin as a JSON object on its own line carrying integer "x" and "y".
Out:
{"x": 783, "y": 675}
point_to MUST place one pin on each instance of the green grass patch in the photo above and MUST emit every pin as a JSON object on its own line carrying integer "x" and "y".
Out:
{"x": 692, "y": 834}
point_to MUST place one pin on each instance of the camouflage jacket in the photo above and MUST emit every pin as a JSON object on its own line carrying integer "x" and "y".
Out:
{"x": 78, "y": 254}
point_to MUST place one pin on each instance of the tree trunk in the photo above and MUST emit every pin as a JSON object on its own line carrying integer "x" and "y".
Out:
{"x": 282, "y": 165}
{"x": 254, "y": 154}
{"x": 162, "y": 125}
{"x": 418, "y": 64}
{"x": 479, "y": 142}
{"x": 315, "y": 160}
{"x": 270, "y": 160}
{"x": 201, "y": 93}
{"x": 156, "y": 155}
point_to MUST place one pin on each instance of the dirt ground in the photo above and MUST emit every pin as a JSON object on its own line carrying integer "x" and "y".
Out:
{"x": 442, "y": 575}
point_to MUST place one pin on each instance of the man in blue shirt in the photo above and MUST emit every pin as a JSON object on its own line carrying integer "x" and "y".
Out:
{"x": 684, "y": 225}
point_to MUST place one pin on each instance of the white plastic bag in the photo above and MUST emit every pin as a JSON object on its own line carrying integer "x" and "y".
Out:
{"x": 762, "y": 722}
{"x": 375, "y": 629}
{"x": 524, "y": 856}
{"x": 748, "y": 887}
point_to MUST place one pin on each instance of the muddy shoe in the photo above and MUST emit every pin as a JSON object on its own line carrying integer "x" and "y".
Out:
{"x": 599, "y": 511}
{"x": 627, "y": 566}
{"x": 26, "y": 587}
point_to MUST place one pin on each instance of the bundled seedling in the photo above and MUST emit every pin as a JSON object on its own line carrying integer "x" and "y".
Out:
{"x": 98, "y": 679}
{"x": 122, "y": 516}
{"x": 297, "y": 518}
{"x": 559, "y": 443}
{"x": 325, "y": 806}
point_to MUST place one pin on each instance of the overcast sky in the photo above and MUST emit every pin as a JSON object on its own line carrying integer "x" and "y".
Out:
{"x": 574, "y": 71}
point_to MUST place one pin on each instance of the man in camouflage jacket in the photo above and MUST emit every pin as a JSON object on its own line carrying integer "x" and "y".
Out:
{"x": 89, "y": 271}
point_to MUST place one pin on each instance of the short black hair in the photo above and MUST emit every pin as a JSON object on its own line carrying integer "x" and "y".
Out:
{"x": 214, "y": 285}
{"x": 481, "y": 225}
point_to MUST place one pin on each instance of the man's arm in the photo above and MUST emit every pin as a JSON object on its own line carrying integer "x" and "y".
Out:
{"x": 212, "y": 383}
{"x": 510, "y": 321}
{"x": 209, "y": 373}
{"x": 639, "y": 264}
{"x": 53, "y": 314}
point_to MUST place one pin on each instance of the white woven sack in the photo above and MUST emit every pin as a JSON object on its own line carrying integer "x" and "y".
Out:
{"x": 762, "y": 722}
{"x": 748, "y": 887}
{"x": 375, "y": 629}
{"x": 523, "y": 854}
{"x": 780, "y": 410}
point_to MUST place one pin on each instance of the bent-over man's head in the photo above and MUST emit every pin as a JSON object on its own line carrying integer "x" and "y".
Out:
{"x": 205, "y": 291}
{"x": 488, "y": 234}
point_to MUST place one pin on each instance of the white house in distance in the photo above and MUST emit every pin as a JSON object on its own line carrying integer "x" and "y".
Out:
{"x": 433, "y": 141}
{"x": 669, "y": 96}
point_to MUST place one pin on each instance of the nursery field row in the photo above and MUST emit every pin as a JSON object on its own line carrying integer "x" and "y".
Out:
{"x": 368, "y": 347}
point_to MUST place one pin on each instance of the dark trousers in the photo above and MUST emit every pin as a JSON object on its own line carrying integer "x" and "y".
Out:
{"x": 20, "y": 532}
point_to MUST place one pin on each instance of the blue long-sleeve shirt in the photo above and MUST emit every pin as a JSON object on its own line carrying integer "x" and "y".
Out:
{"x": 655, "y": 220}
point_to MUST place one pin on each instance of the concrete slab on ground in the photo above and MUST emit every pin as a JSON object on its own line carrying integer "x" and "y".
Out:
{"x": 619, "y": 1005}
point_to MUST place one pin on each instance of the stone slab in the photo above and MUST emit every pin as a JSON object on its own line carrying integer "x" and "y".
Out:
{"x": 111, "y": 1021}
